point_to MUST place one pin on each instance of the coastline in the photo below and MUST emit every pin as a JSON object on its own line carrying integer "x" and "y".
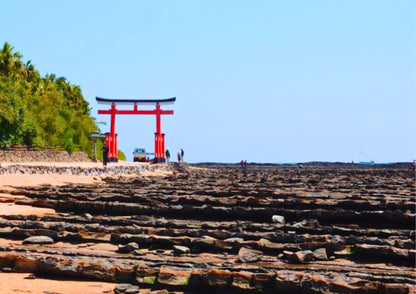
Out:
{"x": 196, "y": 222}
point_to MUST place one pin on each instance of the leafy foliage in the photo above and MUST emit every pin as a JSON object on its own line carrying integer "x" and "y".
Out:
{"x": 41, "y": 111}
{"x": 121, "y": 155}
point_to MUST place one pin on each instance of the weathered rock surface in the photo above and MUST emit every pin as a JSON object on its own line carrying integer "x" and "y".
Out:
{"x": 303, "y": 256}
{"x": 174, "y": 276}
{"x": 320, "y": 254}
{"x": 123, "y": 287}
{"x": 278, "y": 219}
{"x": 346, "y": 229}
{"x": 132, "y": 246}
{"x": 249, "y": 255}
{"x": 127, "y": 289}
{"x": 177, "y": 249}
{"x": 38, "y": 240}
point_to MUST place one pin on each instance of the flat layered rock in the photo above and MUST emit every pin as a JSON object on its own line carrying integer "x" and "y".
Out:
{"x": 174, "y": 276}
{"x": 38, "y": 240}
{"x": 317, "y": 229}
{"x": 249, "y": 255}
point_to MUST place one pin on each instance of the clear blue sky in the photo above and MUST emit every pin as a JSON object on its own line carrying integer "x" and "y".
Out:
{"x": 265, "y": 81}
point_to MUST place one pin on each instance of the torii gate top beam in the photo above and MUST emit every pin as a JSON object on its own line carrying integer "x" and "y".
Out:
{"x": 136, "y": 101}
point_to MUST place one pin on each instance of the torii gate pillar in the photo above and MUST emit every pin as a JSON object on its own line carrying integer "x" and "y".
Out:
{"x": 111, "y": 138}
{"x": 159, "y": 137}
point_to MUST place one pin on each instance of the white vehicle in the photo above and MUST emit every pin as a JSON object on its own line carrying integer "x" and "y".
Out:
{"x": 139, "y": 154}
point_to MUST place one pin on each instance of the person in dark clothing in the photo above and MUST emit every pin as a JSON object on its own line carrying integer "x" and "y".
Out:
{"x": 243, "y": 164}
{"x": 167, "y": 153}
{"x": 105, "y": 155}
{"x": 182, "y": 153}
{"x": 179, "y": 157}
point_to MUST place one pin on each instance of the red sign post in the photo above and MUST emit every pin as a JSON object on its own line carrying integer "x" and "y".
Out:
{"x": 111, "y": 138}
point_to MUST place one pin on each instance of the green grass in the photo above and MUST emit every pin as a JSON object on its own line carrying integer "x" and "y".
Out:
{"x": 149, "y": 280}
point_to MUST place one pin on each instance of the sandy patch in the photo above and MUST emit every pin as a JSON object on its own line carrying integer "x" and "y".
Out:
{"x": 14, "y": 209}
{"x": 7, "y": 182}
{"x": 17, "y": 283}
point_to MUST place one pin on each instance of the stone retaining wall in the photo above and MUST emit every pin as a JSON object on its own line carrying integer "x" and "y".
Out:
{"x": 43, "y": 156}
{"x": 80, "y": 171}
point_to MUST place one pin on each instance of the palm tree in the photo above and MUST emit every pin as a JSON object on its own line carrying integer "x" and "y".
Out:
{"x": 30, "y": 72}
{"x": 9, "y": 60}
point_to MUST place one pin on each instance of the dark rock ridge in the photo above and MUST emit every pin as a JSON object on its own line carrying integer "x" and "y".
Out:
{"x": 346, "y": 229}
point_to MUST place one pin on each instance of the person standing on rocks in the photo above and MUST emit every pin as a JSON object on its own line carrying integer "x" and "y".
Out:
{"x": 182, "y": 153}
{"x": 105, "y": 155}
{"x": 243, "y": 165}
{"x": 167, "y": 153}
{"x": 179, "y": 157}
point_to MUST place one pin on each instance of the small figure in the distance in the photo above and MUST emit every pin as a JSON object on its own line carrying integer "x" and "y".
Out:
{"x": 167, "y": 153}
{"x": 243, "y": 165}
{"x": 105, "y": 155}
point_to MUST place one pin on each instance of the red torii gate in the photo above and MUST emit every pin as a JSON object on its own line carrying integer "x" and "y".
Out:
{"x": 111, "y": 138}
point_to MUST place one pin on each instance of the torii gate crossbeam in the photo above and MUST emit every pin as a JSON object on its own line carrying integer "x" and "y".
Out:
{"x": 111, "y": 138}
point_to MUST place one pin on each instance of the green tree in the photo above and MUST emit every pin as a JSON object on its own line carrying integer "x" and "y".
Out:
{"x": 9, "y": 60}
{"x": 41, "y": 111}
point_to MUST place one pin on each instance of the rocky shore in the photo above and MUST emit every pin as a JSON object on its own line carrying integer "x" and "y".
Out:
{"x": 277, "y": 229}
